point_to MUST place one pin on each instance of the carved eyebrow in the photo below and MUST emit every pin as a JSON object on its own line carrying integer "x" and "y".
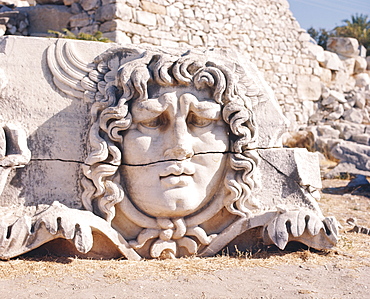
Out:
{"x": 207, "y": 109}
{"x": 147, "y": 109}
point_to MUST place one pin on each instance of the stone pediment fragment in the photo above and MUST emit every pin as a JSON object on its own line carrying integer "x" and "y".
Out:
{"x": 174, "y": 153}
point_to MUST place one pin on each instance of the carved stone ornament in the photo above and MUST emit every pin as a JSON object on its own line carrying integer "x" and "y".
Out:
{"x": 184, "y": 158}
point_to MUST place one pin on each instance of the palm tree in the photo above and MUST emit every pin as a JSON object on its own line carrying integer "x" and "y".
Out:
{"x": 358, "y": 27}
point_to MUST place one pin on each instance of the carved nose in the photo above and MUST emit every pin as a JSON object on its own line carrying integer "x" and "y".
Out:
{"x": 181, "y": 147}
{"x": 179, "y": 152}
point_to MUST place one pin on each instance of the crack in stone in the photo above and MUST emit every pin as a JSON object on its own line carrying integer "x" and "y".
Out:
{"x": 57, "y": 159}
{"x": 155, "y": 162}
{"x": 279, "y": 171}
{"x": 176, "y": 160}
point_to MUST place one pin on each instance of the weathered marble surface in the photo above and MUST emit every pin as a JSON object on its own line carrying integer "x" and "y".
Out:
{"x": 170, "y": 153}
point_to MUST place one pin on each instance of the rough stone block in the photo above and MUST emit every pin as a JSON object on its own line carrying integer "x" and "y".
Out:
{"x": 111, "y": 11}
{"x": 90, "y": 4}
{"x": 353, "y": 153}
{"x": 80, "y": 20}
{"x": 353, "y": 115}
{"x": 46, "y": 17}
{"x": 146, "y": 18}
{"x": 345, "y": 46}
{"x": 308, "y": 88}
{"x": 362, "y": 80}
{"x": 153, "y": 7}
{"x": 332, "y": 61}
{"x": 360, "y": 65}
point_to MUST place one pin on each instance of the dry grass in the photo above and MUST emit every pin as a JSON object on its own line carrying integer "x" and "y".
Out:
{"x": 351, "y": 252}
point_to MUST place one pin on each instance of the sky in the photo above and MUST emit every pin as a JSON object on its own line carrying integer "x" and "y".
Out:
{"x": 327, "y": 14}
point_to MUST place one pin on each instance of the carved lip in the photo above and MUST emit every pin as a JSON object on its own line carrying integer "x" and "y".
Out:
{"x": 178, "y": 174}
{"x": 178, "y": 169}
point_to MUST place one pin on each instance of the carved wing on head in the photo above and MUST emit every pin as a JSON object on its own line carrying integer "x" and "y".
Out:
{"x": 73, "y": 76}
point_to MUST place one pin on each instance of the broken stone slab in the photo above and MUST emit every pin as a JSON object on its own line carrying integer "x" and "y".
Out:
{"x": 354, "y": 153}
{"x": 348, "y": 129}
{"x": 353, "y": 115}
{"x": 83, "y": 123}
{"x": 345, "y": 168}
{"x": 345, "y": 46}
{"x": 361, "y": 138}
{"x": 327, "y": 131}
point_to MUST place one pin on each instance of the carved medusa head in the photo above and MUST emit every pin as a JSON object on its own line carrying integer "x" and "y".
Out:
{"x": 162, "y": 118}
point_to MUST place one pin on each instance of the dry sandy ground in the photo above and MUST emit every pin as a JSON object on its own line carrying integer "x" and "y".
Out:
{"x": 343, "y": 272}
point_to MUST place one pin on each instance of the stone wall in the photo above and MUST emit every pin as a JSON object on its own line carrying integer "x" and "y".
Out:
{"x": 263, "y": 29}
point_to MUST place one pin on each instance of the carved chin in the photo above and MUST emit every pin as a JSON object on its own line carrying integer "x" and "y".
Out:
{"x": 174, "y": 203}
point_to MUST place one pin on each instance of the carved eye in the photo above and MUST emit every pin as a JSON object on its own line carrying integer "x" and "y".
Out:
{"x": 198, "y": 121}
{"x": 155, "y": 123}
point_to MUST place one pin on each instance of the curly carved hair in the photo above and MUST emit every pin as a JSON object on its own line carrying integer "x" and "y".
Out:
{"x": 111, "y": 117}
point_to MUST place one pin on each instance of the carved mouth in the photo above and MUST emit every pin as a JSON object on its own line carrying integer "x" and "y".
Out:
{"x": 176, "y": 180}
{"x": 178, "y": 175}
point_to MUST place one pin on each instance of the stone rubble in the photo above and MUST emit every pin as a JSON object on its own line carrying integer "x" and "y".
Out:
{"x": 340, "y": 125}
{"x": 13, "y": 22}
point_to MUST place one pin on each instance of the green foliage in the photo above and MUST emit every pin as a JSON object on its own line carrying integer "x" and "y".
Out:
{"x": 97, "y": 36}
{"x": 321, "y": 36}
{"x": 357, "y": 27}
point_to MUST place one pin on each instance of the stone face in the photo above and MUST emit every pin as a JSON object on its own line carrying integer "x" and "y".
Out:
{"x": 129, "y": 134}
